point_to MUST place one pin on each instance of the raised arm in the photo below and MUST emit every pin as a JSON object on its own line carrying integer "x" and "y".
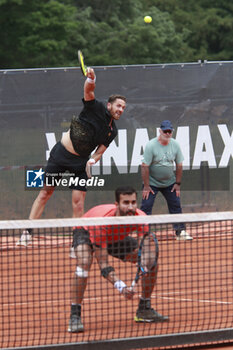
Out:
{"x": 89, "y": 85}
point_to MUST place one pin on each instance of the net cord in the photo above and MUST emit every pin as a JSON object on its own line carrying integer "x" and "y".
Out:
{"x": 117, "y": 220}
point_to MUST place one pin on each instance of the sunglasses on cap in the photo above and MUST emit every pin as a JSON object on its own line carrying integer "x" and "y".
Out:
{"x": 167, "y": 131}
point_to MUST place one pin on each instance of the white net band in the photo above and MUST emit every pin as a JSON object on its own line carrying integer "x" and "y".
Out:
{"x": 117, "y": 220}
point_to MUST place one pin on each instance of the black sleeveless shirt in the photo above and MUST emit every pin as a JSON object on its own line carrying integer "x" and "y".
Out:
{"x": 91, "y": 128}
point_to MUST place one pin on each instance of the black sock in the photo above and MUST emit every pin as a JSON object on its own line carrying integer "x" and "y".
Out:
{"x": 144, "y": 303}
{"x": 76, "y": 309}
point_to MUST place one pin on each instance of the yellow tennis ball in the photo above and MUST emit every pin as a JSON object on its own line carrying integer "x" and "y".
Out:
{"x": 147, "y": 19}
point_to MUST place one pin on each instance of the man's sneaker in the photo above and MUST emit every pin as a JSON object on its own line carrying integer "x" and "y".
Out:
{"x": 149, "y": 315}
{"x": 25, "y": 239}
{"x": 183, "y": 236}
{"x": 72, "y": 253}
{"x": 75, "y": 324}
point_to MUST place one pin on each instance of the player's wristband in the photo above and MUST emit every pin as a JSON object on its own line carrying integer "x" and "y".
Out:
{"x": 91, "y": 81}
{"x": 119, "y": 285}
{"x": 178, "y": 183}
{"x": 92, "y": 161}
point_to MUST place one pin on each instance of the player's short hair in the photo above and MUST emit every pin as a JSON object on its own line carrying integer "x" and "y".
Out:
{"x": 124, "y": 190}
{"x": 113, "y": 98}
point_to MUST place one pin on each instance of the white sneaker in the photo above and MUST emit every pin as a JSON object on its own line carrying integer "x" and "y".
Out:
{"x": 72, "y": 253}
{"x": 184, "y": 236}
{"x": 25, "y": 239}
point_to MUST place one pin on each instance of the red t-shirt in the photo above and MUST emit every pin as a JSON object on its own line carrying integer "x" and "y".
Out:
{"x": 103, "y": 235}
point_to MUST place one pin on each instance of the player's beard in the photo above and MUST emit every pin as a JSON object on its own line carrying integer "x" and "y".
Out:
{"x": 127, "y": 213}
{"x": 115, "y": 113}
{"x": 116, "y": 116}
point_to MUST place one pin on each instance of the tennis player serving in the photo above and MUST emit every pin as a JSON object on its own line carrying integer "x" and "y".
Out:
{"x": 92, "y": 131}
{"x": 105, "y": 241}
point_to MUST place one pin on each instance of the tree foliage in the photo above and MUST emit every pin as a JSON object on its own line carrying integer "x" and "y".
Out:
{"x": 37, "y": 33}
{"x": 47, "y": 33}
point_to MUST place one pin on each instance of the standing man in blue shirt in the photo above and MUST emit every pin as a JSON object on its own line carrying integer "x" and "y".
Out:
{"x": 158, "y": 174}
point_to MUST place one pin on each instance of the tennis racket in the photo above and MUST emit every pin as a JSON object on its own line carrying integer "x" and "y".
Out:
{"x": 81, "y": 63}
{"x": 148, "y": 254}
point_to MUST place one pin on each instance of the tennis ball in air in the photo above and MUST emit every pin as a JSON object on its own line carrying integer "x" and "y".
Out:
{"x": 147, "y": 19}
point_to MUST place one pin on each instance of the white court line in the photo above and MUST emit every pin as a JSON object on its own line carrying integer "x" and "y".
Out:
{"x": 196, "y": 291}
{"x": 57, "y": 301}
{"x": 198, "y": 300}
{"x": 154, "y": 296}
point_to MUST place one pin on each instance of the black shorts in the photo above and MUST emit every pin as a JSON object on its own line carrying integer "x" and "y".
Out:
{"x": 61, "y": 160}
{"x": 81, "y": 236}
{"x": 119, "y": 249}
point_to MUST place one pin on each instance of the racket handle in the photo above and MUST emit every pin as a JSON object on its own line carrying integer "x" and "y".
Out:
{"x": 133, "y": 284}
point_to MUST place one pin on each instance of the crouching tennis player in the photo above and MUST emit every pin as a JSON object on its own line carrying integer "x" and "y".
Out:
{"x": 105, "y": 241}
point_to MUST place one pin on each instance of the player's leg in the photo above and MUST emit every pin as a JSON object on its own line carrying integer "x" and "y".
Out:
{"x": 78, "y": 199}
{"x": 174, "y": 207}
{"x": 145, "y": 313}
{"x": 84, "y": 255}
{"x": 78, "y": 192}
{"x": 35, "y": 213}
{"x": 40, "y": 202}
{"x": 54, "y": 166}
{"x": 78, "y": 186}
{"x": 127, "y": 250}
{"x": 147, "y": 204}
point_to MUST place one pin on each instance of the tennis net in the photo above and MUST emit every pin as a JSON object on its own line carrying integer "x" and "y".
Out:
{"x": 194, "y": 285}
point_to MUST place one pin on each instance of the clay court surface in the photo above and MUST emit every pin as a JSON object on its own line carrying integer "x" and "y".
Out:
{"x": 194, "y": 288}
